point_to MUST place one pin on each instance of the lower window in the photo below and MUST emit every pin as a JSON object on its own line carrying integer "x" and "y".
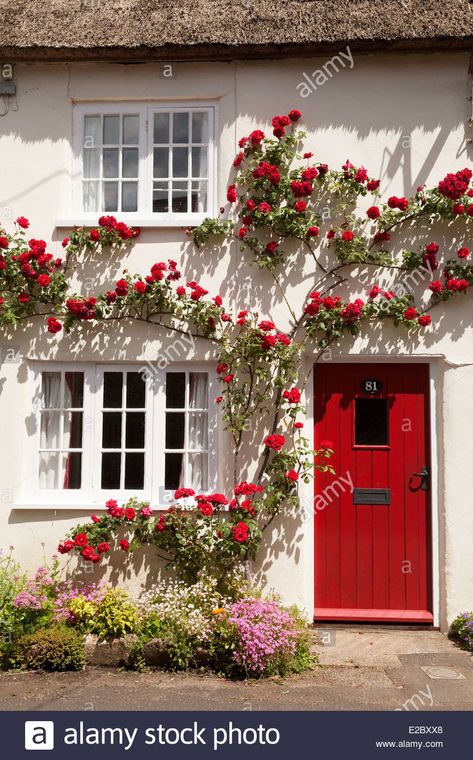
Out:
{"x": 123, "y": 431}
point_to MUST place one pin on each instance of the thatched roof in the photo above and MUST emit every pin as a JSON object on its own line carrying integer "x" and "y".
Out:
{"x": 165, "y": 29}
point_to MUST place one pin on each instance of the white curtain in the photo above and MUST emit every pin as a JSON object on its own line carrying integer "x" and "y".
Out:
{"x": 50, "y": 465}
{"x": 198, "y": 430}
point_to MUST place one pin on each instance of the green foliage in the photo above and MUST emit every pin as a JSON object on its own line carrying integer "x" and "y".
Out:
{"x": 462, "y": 629}
{"x": 53, "y": 649}
{"x": 114, "y": 615}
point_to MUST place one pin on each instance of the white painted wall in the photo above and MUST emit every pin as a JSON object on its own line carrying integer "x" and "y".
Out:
{"x": 403, "y": 116}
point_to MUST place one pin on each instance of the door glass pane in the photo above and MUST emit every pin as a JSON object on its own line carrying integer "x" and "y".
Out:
{"x": 112, "y": 390}
{"x": 135, "y": 390}
{"x": 135, "y": 430}
{"x": 72, "y": 470}
{"x": 371, "y": 422}
{"x": 173, "y": 468}
{"x": 131, "y": 130}
{"x": 175, "y": 390}
{"x": 180, "y": 128}
{"x": 175, "y": 427}
{"x": 111, "y": 470}
{"x": 200, "y": 127}
{"x": 161, "y": 162}
{"x": 112, "y": 430}
{"x": 134, "y": 471}
{"x": 161, "y": 128}
{"x": 111, "y": 130}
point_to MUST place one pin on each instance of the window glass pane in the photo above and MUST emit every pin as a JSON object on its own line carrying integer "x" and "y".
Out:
{"x": 135, "y": 430}
{"x": 161, "y": 128}
{"x": 161, "y": 162}
{"x": 179, "y": 197}
{"x": 135, "y": 390}
{"x": 50, "y": 390}
{"x": 197, "y": 467}
{"x": 111, "y": 465}
{"x": 111, "y": 130}
{"x": 110, "y": 192}
{"x": 180, "y": 160}
{"x": 200, "y": 127}
{"x": 74, "y": 390}
{"x": 180, "y": 127}
{"x": 131, "y": 130}
{"x": 129, "y": 196}
{"x": 72, "y": 437}
{"x": 173, "y": 469}
{"x": 72, "y": 471}
{"x": 198, "y": 431}
{"x": 50, "y": 430}
{"x": 175, "y": 390}
{"x": 112, "y": 390}
{"x": 198, "y": 390}
{"x": 91, "y": 163}
{"x": 160, "y": 197}
{"x": 49, "y": 470}
{"x": 371, "y": 422}
{"x": 112, "y": 430}
{"x": 175, "y": 430}
{"x": 130, "y": 162}
{"x": 199, "y": 162}
{"x": 134, "y": 471}
{"x": 199, "y": 196}
{"x": 92, "y": 131}
{"x": 90, "y": 196}
{"x": 110, "y": 162}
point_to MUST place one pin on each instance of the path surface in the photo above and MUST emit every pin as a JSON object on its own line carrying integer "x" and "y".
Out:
{"x": 360, "y": 669}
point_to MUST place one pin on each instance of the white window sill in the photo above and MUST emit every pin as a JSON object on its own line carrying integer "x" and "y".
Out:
{"x": 182, "y": 220}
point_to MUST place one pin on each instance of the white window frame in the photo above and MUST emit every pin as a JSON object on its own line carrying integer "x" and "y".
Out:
{"x": 90, "y": 496}
{"x": 144, "y": 217}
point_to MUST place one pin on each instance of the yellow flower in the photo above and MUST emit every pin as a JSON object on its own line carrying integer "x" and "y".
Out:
{"x": 218, "y": 611}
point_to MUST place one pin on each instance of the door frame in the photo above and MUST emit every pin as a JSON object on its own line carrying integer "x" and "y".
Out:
{"x": 307, "y": 490}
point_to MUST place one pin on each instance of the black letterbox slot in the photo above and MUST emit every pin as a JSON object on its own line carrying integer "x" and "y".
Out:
{"x": 372, "y": 496}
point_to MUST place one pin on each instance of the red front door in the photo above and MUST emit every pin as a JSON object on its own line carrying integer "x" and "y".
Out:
{"x": 372, "y": 518}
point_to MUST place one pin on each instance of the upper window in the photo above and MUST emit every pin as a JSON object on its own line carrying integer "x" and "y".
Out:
{"x": 151, "y": 163}
{"x": 107, "y": 431}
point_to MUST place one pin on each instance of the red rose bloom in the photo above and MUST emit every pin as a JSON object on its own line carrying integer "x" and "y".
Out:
{"x": 44, "y": 280}
{"x": 94, "y": 235}
{"x": 23, "y": 222}
{"x": 293, "y": 395}
{"x": 266, "y": 326}
{"x": 23, "y": 297}
{"x": 275, "y": 442}
{"x": 183, "y": 492}
{"x": 436, "y": 286}
{"x": 373, "y": 212}
{"x": 3, "y": 241}
{"x": 271, "y": 246}
{"x": 228, "y": 378}
{"x": 124, "y": 545}
{"x": 292, "y": 475}
{"x": 373, "y": 184}
{"x": 250, "y": 205}
{"x": 298, "y": 425}
{"x": 242, "y": 232}
{"x": 130, "y": 513}
{"x": 121, "y": 288}
{"x": 347, "y": 236}
{"x": 231, "y": 194}
{"x": 313, "y": 231}
{"x": 264, "y": 208}
{"x": 240, "y": 532}
{"x": 81, "y": 539}
{"x": 140, "y": 287}
{"x": 54, "y": 326}
{"x": 410, "y": 313}
{"x": 424, "y": 320}
{"x": 326, "y": 445}
{"x": 238, "y": 159}
{"x": 65, "y": 242}
{"x": 294, "y": 115}
{"x": 463, "y": 253}
{"x": 300, "y": 206}
{"x": 458, "y": 209}
{"x": 65, "y": 547}
{"x": 256, "y": 137}
{"x": 103, "y": 547}
{"x": 206, "y": 508}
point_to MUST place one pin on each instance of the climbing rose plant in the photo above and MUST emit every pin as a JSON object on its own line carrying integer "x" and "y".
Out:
{"x": 284, "y": 208}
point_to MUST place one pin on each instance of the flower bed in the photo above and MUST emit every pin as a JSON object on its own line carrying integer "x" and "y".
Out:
{"x": 54, "y": 624}
{"x": 462, "y": 629}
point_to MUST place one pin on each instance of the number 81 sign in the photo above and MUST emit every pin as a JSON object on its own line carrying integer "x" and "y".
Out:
{"x": 371, "y": 385}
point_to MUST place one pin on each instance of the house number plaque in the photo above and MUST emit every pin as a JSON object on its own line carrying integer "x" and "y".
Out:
{"x": 371, "y": 385}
